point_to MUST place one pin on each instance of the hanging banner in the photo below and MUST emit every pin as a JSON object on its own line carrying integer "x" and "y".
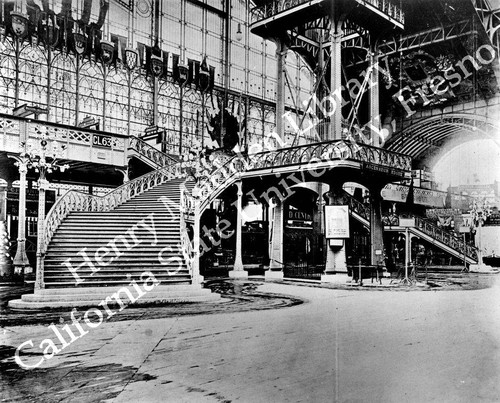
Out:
{"x": 336, "y": 222}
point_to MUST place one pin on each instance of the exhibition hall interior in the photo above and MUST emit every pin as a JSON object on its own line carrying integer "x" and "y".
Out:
{"x": 177, "y": 141}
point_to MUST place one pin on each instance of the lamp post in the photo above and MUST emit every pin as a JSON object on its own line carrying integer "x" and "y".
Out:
{"x": 21, "y": 263}
{"x": 479, "y": 214}
{"x": 44, "y": 160}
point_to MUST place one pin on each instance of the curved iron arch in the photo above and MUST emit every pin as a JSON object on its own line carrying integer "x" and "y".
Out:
{"x": 416, "y": 139}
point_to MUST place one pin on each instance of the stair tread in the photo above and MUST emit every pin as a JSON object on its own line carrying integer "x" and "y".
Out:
{"x": 95, "y": 229}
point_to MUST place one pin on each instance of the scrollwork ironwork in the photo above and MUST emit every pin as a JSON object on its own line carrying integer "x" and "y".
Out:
{"x": 446, "y": 237}
{"x": 270, "y": 9}
{"x": 148, "y": 151}
{"x": 78, "y": 201}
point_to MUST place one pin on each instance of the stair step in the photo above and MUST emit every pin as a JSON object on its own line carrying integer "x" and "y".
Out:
{"x": 123, "y": 295}
{"x": 148, "y": 257}
{"x": 99, "y": 290}
{"x": 116, "y": 213}
{"x": 91, "y": 230}
{"x": 122, "y": 267}
{"x": 144, "y": 249}
{"x": 164, "y": 297}
{"x": 119, "y": 273}
{"x": 94, "y": 283}
{"x": 107, "y": 279}
{"x": 144, "y": 236}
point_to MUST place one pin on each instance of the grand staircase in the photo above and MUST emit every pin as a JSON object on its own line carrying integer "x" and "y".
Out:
{"x": 97, "y": 248}
{"x": 120, "y": 244}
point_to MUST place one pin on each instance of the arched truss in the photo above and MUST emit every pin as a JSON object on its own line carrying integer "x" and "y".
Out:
{"x": 427, "y": 134}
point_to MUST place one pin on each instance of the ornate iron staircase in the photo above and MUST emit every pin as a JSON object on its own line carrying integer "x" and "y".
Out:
{"x": 148, "y": 154}
{"x": 423, "y": 229}
{"x": 94, "y": 247}
{"x": 445, "y": 240}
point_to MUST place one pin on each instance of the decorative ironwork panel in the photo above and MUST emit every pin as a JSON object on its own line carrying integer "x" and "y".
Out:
{"x": 91, "y": 86}
{"x": 32, "y": 76}
{"x": 63, "y": 89}
{"x": 141, "y": 102}
{"x": 116, "y": 102}
{"x": 7, "y": 76}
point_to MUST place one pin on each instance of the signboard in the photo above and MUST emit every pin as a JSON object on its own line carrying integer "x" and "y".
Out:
{"x": 393, "y": 192}
{"x": 336, "y": 242}
{"x": 425, "y": 197}
{"x": 336, "y": 222}
{"x": 493, "y": 219}
{"x": 297, "y": 215}
{"x": 102, "y": 141}
{"x": 407, "y": 222}
{"x": 369, "y": 166}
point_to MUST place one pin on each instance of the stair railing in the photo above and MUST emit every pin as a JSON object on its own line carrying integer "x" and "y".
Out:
{"x": 187, "y": 208}
{"x": 210, "y": 187}
{"x": 300, "y": 155}
{"x": 357, "y": 207}
{"x": 148, "y": 151}
{"x": 445, "y": 237}
{"x": 78, "y": 201}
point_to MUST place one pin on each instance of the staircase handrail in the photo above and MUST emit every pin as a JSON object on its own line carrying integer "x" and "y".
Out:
{"x": 357, "y": 207}
{"x": 445, "y": 237}
{"x": 315, "y": 152}
{"x": 146, "y": 150}
{"x": 78, "y": 201}
{"x": 187, "y": 210}
{"x": 210, "y": 187}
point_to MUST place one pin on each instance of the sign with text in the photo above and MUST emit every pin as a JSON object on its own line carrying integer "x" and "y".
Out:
{"x": 406, "y": 222}
{"x": 102, "y": 141}
{"x": 424, "y": 197}
{"x": 298, "y": 215}
{"x": 370, "y": 166}
{"x": 336, "y": 222}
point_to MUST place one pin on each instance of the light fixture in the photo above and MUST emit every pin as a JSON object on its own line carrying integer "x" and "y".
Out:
{"x": 239, "y": 34}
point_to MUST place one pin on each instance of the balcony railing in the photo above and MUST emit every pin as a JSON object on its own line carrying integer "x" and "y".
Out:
{"x": 80, "y": 144}
{"x": 275, "y": 7}
{"x": 306, "y": 156}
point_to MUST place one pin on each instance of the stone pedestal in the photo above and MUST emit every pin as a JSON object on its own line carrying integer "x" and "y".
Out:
{"x": 273, "y": 275}
{"x": 337, "y": 278}
{"x": 238, "y": 274}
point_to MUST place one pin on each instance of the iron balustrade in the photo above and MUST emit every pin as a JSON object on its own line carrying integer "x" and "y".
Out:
{"x": 78, "y": 142}
{"x": 187, "y": 211}
{"x": 146, "y": 150}
{"x": 438, "y": 234}
{"x": 322, "y": 153}
{"x": 303, "y": 270}
{"x": 357, "y": 207}
{"x": 272, "y": 8}
{"x": 445, "y": 237}
{"x": 78, "y": 201}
